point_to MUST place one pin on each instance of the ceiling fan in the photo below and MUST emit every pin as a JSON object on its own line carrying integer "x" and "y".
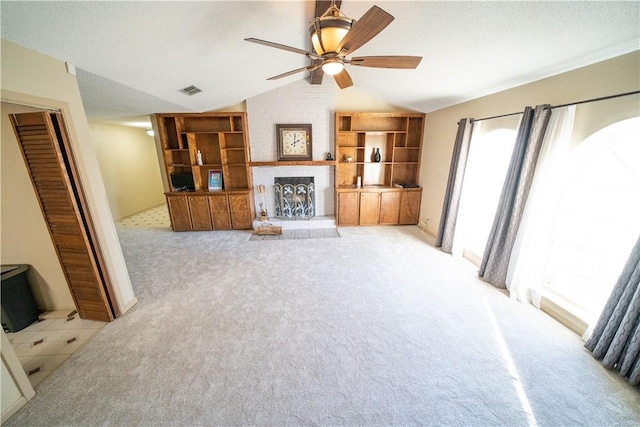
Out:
{"x": 334, "y": 36}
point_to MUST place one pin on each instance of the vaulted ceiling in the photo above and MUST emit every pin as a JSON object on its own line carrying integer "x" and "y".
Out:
{"x": 133, "y": 57}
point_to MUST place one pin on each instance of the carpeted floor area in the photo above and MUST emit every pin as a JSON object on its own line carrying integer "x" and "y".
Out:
{"x": 373, "y": 328}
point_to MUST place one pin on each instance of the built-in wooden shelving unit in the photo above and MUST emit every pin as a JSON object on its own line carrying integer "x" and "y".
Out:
{"x": 370, "y": 192}
{"x": 194, "y": 145}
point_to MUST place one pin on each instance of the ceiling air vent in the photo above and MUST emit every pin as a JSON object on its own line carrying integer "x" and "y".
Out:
{"x": 190, "y": 90}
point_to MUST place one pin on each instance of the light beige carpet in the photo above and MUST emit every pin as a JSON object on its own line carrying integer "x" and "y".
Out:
{"x": 373, "y": 328}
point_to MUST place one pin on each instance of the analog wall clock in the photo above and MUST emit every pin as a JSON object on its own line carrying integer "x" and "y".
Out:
{"x": 294, "y": 142}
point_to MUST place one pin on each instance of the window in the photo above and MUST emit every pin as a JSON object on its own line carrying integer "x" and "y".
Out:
{"x": 490, "y": 152}
{"x": 597, "y": 220}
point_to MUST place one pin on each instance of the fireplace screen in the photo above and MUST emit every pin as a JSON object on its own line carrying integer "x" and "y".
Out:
{"x": 295, "y": 197}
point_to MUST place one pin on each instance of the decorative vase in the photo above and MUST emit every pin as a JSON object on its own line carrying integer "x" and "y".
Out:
{"x": 376, "y": 155}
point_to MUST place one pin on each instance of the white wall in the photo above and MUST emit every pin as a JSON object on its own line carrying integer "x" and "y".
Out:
{"x": 296, "y": 103}
{"x": 617, "y": 75}
{"x": 30, "y": 78}
{"x": 353, "y": 99}
{"x": 129, "y": 168}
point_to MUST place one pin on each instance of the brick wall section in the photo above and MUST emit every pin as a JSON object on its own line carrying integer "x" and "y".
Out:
{"x": 295, "y": 103}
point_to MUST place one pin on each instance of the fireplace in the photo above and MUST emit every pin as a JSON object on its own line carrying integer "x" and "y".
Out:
{"x": 294, "y": 197}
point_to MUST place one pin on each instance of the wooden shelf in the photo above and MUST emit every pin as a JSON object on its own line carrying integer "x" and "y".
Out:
{"x": 374, "y": 131}
{"x": 295, "y": 163}
{"x": 376, "y": 188}
{"x": 398, "y": 139}
{"x": 221, "y": 141}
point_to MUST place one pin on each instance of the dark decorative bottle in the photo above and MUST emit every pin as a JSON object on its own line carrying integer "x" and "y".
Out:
{"x": 376, "y": 156}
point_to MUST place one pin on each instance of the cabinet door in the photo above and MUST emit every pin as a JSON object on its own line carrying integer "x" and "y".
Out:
{"x": 369, "y": 208}
{"x": 179, "y": 213}
{"x": 199, "y": 212}
{"x": 219, "y": 208}
{"x": 239, "y": 206}
{"x": 389, "y": 207}
{"x": 348, "y": 212}
{"x": 410, "y": 207}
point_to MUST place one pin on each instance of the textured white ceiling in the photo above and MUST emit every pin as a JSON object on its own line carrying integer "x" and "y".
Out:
{"x": 133, "y": 57}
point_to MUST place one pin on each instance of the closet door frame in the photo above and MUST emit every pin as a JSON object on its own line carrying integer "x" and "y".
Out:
{"x": 102, "y": 305}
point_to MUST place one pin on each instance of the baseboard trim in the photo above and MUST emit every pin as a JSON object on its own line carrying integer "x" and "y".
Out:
{"x": 431, "y": 239}
{"x": 12, "y": 409}
{"x": 129, "y": 306}
{"x": 564, "y": 316}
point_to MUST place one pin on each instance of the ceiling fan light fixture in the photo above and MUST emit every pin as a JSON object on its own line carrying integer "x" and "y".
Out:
{"x": 332, "y": 66}
{"x": 327, "y": 32}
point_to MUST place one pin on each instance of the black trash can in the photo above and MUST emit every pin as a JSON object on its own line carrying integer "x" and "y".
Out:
{"x": 18, "y": 306}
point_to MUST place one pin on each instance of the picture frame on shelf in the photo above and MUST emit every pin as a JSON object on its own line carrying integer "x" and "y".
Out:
{"x": 294, "y": 142}
{"x": 215, "y": 180}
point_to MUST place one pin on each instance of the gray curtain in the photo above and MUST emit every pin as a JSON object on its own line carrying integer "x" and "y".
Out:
{"x": 446, "y": 229}
{"x": 616, "y": 337}
{"x": 495, "y": 260}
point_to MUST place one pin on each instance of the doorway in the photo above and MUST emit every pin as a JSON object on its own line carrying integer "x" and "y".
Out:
{"x": 28, "y": 235}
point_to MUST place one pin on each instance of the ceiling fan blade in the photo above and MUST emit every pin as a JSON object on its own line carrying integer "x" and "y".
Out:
{"x": 343, "y": 79}
{"x": 283, "y": 47}
{"x": 298, "y": 70}
{"x": 317, "y": 73}
{"x": 366, "y": 28}
{"x": 386, "y": 61}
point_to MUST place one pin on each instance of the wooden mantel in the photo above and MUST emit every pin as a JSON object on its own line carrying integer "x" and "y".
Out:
{"x": 294, "y": 163}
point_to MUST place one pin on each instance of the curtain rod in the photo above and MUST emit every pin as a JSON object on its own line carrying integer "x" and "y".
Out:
{"x": 603, "y": 98}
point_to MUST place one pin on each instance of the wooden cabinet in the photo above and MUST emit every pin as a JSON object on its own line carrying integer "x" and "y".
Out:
{"x": 383, "y": 206}
{"x": 239, "y": 206}
{"x": 347, "y": 209}
{"x": 389, "y": 207}
{"x": 194, "y": 146}
{"x": 369, "y": 208}
{"x": 219, "y": 211}
{"x": 388, "y": 190}
{"x": 410, "y": 206}
{"x": 199, "y": 212}
{"x": 179, "y": 212}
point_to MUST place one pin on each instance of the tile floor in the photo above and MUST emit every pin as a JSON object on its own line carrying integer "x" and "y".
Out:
{"x": 157, "y": 217}
{"x": 295, "y": 234}
{"x": 42, "y": 346}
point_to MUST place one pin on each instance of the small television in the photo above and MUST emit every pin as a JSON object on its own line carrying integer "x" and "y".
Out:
{"x": 182, "y": 182}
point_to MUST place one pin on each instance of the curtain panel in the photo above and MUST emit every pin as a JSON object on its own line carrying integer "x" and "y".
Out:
{"x": 495, "y": 260}
{"x": 533, "y": 242}
{"x": 616, "y": 337}
{"x": 451, "y": 204}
